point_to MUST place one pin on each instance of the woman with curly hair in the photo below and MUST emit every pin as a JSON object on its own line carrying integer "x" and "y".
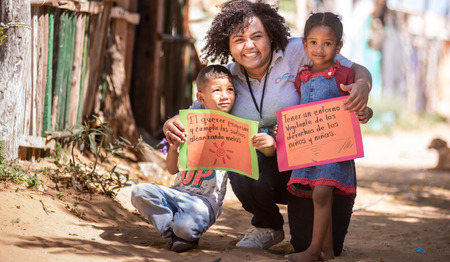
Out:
{"x": 265, "y": 63}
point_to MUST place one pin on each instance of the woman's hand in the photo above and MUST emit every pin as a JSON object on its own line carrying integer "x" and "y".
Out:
{"x": 359, "y": 95}
{"x": 174, "y": 131}
{"x": 359, "y": 90}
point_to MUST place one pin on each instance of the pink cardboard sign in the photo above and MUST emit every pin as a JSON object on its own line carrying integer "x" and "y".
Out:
{"x": 317, "y": 133}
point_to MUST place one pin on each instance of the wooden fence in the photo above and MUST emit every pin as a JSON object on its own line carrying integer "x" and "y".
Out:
{"x": 62, "y": 66}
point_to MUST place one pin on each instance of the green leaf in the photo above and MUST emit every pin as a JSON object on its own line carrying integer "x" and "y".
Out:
{"x": 126, "y": 141}
{"x": 93, "y": 145}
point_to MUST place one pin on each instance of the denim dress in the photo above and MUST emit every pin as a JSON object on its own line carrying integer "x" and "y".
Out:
{"x": 341, "y": 175}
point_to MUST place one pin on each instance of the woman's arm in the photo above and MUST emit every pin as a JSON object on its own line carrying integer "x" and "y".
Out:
{"x": 359, "y": 90}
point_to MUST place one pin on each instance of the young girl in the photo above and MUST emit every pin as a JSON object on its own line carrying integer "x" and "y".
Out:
{"x": 322, "y": 41}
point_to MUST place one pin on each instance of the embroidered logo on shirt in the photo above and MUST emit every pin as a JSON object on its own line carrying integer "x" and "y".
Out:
{"x": 285, "y": 76}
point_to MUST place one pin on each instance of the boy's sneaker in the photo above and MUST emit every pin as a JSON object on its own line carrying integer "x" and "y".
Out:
{"x": 180, "y": 245}
{"x": 261, "y": 238}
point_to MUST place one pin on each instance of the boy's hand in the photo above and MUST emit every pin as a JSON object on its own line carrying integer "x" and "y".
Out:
{"x": 264, "y": 143}
{"x": 365, "y": 115}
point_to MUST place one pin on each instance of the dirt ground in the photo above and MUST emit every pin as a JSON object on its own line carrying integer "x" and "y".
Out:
{"x": 402, "y": 213}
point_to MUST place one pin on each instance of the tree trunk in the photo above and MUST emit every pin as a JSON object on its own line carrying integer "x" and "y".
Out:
{"x": 15, "y": 56}
{"x": 117, "y": 109}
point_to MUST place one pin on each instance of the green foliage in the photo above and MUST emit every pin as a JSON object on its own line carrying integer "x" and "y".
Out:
{"x": 34, "y": 182}
{"x": 16, "y": 174}
{"x": 85, "y": 176}
{"x": 13, "y": 173}
{"x": 15, "y": 221}
{"x": 2, "y": 151}
{"x": 2, "y": 36}
{"x": 61, "y": 196}
{"x": 76, "y": 211}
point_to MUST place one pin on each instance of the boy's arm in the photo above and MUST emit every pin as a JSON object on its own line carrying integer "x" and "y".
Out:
{"x": 265, "y": 144}
{"x": 172, "y": 159}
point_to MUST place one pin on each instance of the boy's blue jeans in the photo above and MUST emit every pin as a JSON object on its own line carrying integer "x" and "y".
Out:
{"x": 173, "y": 211}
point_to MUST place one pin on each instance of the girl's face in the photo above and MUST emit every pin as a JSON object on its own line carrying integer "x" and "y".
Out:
{"x": 321, "y": 46}
{"x": 251, "y": 48}
{"x": 218, "y": 94}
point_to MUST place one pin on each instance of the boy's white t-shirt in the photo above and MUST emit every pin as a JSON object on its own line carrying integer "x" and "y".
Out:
{"x": 210, "y": 184}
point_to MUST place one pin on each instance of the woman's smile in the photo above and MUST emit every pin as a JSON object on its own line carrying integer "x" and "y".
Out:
{"x": 250, "y": 48}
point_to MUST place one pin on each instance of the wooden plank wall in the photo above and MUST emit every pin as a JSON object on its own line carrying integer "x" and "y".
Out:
{"x": 68, "y": 39}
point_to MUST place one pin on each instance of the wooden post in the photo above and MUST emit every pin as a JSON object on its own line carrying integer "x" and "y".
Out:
{"x": 97, "y": 47}
{"x": 76, "y": 65}
{"x": 155, "y": 106}
{"x": 15, "y": 57}
{"x": 117, "y": 106}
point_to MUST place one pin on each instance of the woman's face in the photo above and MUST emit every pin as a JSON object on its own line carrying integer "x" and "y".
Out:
{"x": 251, "y": 48}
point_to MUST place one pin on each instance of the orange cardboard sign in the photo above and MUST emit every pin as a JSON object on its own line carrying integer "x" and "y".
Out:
{"x": 217, "y": 140}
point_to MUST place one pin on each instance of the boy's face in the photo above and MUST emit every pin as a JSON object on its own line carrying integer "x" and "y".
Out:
{"x": 218, "y": 94}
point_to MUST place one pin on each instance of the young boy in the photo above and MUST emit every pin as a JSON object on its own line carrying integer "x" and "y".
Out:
{"x": 188, "y": 208}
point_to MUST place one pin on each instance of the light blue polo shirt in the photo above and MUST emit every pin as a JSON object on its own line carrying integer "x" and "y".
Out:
{"x": 280, "y": 90}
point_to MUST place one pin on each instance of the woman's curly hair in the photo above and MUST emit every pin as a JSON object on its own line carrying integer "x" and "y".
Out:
{"x": 234, "y": 15}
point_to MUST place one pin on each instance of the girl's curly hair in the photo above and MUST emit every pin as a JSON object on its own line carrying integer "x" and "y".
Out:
{"x": 234, "y": 15}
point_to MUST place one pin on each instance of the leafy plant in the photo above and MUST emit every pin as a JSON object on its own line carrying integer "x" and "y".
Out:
{"x": 85, "y": 176}
{"x": 34, "y": 182}
{"x": 61, "y": 196}
{"x": 13, "y": 173}
{"x": 76, "y": 211}
{"x": 2, "y": 151}
{"x": 2, "y": 36}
